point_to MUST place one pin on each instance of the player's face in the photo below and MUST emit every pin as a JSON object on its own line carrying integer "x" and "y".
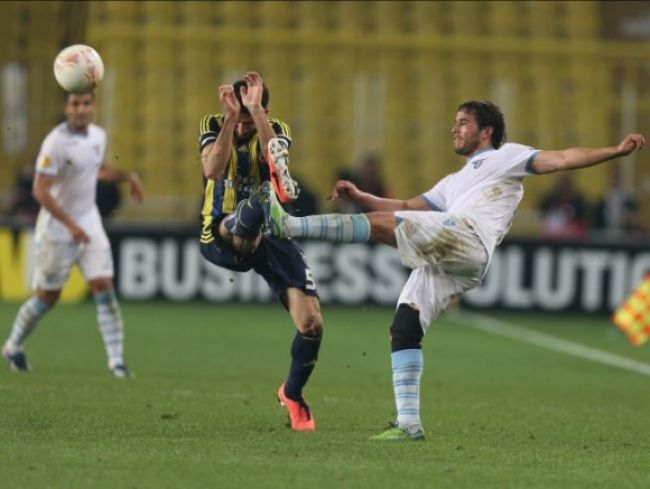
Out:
{"x": 467, "y": 135}
{"x": 80, "y": 110}
{"x": 245, "y": 126}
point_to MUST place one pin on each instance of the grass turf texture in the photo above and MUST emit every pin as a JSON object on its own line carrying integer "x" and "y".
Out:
{"x": 202, "y": 411}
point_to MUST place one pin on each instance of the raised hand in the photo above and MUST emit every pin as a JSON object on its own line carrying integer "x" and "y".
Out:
{"x": 229, "y": 100}
{"x": 630, "y": 143}
{"x": 345, "y": 190}
{"x": 251, "y": 93}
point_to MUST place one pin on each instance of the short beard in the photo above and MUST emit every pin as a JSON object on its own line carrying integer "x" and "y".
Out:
{"x": 466, "y": 150}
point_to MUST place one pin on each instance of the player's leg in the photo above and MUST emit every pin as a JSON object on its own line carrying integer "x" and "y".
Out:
{"x": 111, "y": 325}
{"x": 407, "y": 364}
{"x": 242, "y": 228}
{"x": 447, "y": 259}
{"x": 96, "y": 264}
{"x": 29, "y": 314}
{"x": 282, "y": 265}
{"x": 306, "y": 315}
{"x": 53, "y": 262}
{"x": 342, "y": 228}
{"x": 425, "y": 295}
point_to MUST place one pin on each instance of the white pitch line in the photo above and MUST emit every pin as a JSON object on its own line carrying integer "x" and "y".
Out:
{"x": 513, "y": 331}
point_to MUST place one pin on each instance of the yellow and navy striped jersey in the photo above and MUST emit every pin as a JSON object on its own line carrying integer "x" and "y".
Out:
{"x": 245, "y": 171}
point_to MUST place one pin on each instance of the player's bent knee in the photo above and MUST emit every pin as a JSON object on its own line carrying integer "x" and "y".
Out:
{"x": 382, "y": 227}
{"x": 311, "y": 325}
{"x": 406, "y": 331}
{"x": 99, "y": 285}
{"x": 49, "y": 297}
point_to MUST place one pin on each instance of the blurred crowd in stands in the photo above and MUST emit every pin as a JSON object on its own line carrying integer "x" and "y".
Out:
{"x": 566, "y": 213}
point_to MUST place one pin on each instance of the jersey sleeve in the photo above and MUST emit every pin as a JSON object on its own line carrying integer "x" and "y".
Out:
{"x": 517, "y": 160}
{"x": 103, "y": 142}
{"x": 50, "y": 158}
{"x": 209, "y": 129}
{"x": 435, "y": 197}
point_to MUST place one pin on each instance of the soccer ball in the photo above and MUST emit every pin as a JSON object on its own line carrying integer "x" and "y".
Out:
{"x": 78, "y": 68}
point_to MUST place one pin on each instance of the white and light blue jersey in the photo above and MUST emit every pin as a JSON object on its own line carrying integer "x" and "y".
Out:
{"x": 73, "y": 159}
{"x": 487, "y": 190}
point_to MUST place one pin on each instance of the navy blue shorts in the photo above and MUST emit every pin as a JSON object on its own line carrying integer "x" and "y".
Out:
{"x": 280, "y": 261}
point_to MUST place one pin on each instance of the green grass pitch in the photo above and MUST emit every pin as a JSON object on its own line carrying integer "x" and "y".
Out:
{"x": 202, "y": 411}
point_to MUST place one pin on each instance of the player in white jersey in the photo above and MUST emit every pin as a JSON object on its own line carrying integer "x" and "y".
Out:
{"x": 446, "y": 235}
{"x": 69, "y": 230}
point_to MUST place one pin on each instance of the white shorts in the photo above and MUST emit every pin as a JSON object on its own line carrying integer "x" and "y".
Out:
{"x": 54, "y": 261}
{"x": 447, "y": 258}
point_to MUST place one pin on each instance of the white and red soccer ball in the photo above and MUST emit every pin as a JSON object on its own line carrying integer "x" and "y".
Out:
{"x": 78, "y": 68}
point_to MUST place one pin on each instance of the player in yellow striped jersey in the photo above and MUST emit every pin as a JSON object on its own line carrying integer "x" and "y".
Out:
{"x": 243, "y": 153}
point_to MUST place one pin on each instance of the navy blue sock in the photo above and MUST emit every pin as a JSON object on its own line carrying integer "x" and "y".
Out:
{"x": 304, "y": 353}
{"x": 247, "y": 219}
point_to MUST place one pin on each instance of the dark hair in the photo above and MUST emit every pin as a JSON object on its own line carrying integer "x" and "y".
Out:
{"x": 66, "y": 95}
{"x": 242, "y": 83}
{"x": 488, "y": 114}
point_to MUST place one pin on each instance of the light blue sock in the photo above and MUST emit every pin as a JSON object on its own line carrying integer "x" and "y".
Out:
{"x": 338, "y": 228}
{"x": 109, "y": 319}
{"x": 407, "y": 370}
{"x": 26, "y": 320}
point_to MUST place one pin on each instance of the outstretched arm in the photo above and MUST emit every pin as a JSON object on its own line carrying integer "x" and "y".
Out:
{"x": 574, "y": 158}
{"x": 346, "y": 190}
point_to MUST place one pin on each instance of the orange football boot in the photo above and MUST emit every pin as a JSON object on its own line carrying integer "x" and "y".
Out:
{"x": 299, "y": 414}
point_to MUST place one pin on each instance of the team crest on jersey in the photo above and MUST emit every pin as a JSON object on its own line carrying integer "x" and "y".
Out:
{"x": 44, "y": 162}
{"x": 477, "y": 163}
